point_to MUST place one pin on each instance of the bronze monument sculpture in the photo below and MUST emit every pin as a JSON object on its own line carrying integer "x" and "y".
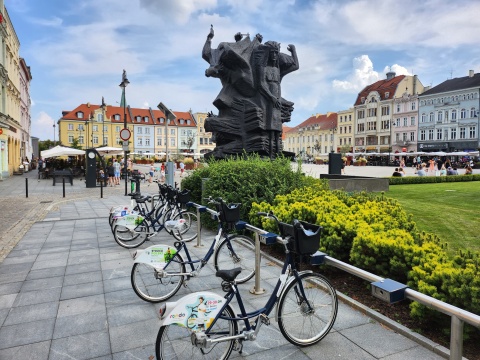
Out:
{"x": 251, "y": 110}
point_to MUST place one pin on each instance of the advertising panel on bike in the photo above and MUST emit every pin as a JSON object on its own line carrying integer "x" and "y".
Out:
{"x": 130, "y": 221}
{"x": 195, "y": 311}
{"x": 157, "y": 255}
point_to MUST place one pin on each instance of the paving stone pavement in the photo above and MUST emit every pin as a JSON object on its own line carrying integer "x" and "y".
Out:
{"x": 65, "y": 290}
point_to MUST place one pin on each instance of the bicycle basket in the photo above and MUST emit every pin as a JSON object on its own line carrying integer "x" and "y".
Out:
{"x": 307, "y": 240}
{"x": 171, "y": 193}
{"x": 183, "y": 197}
{"x": 229, "y": 213}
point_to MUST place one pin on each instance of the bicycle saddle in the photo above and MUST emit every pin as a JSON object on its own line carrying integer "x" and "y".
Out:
{"x": 143, "y": 199}
{"x": 228, "y": 275}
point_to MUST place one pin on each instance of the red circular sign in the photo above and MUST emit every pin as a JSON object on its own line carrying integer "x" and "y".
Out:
{"x": 125, "y": 134}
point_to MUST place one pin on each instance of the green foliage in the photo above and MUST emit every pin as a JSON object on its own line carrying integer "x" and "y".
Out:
{"x": 245, "y": 180}
{"x": 432, "y": 179}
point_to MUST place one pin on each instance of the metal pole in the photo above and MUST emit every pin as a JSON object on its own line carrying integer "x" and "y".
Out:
{"x": 456, "y": 338}
{"x": 63, "y": 184}
{"x": 257, "y": 290}
{"x": 125, "y": 126}
{"x": 166, "y": 137}
{"x": 26, "y": 187}
{"x": 199, "y": 229}
{"x": 101, "y": 189}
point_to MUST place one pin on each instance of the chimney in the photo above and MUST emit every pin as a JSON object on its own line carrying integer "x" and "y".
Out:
{"x": 390, "y": 75}
{"x": 414, "y": 84}
{"x": 470, "y": 73}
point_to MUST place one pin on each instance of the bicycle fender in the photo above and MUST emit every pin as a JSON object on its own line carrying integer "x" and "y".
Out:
{"x": 290, "y": 280}
{"x": 155, "y": 255}
{"x": 130, "y": 221}
{"x": 182, "y": 310}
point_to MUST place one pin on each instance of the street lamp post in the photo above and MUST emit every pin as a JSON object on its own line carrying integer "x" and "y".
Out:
{"x": 169, "y": 115}
{"x": 103, "y": 123}
{"x": 54, "y": 135}
{"x": 123, "y": 85}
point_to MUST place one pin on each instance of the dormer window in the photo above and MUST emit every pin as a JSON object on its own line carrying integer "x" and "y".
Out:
{"x": 138, "y": 118}
{"x": 161, "y": 120}
{"x": 145, "y": 119}
{"x": 80, "y": 114}
{"x": 362, "y": 99}
{"x": 182, "y": 121}
{"x": 188, "y": 122}
{"x": 116, "y": 117}
{"x": 387, "y": 95}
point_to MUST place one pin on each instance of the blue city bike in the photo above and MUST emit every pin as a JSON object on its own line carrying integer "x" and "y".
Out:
{"x": 306, "y": 307}
{"x": 160, "y": 270}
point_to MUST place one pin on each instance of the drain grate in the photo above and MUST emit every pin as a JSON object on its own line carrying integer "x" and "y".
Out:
{"x": 45, "y": 202}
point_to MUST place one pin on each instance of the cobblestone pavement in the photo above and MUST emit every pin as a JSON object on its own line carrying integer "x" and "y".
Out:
{"x": 18, "y": 212}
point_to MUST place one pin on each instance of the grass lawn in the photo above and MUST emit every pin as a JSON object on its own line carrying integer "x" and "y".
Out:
{"x": 449, "y": 210}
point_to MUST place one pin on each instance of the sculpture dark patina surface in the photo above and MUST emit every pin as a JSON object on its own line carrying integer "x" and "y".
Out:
{"x": 251, "y": 110}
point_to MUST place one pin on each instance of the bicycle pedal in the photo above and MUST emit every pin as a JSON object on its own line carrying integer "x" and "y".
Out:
{"x": 238, "y": 346}
{"x": 264, "y": 319}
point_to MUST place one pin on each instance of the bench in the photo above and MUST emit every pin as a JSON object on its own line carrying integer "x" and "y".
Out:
{"x": 62, "y": 173}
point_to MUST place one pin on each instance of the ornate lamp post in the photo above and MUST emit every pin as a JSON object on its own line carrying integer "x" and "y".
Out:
{"x": 54, "y": 135}
{"x": 123, "y": 85}
{"x": 103, "y": 122}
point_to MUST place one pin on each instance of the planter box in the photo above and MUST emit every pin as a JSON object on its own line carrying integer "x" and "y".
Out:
{"x": 356, "y": 183}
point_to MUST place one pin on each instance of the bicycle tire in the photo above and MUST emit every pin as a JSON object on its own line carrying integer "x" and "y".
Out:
{"x": 174, "y": 342}
{"x": 149, "y": 288}
{"x": 236, "y": 251}
{"x": 191, "y": 232}
{"x": 296, "y": 324}
{"x": 131, "y": 238}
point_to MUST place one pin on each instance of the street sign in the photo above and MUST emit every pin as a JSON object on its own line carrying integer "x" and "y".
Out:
{"x": 125, "y": 134}
{"x": 125, "y": 146}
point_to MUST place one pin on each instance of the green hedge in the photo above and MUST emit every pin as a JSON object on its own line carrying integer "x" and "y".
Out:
{"x": 432, "y": 179}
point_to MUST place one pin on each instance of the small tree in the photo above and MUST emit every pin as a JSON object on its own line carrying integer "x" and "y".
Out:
{"x": 190, "y": 141}
{"x": 76, "y": 144}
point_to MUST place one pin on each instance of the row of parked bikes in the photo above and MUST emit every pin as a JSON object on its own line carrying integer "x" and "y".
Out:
{"x": 203, "y": 325}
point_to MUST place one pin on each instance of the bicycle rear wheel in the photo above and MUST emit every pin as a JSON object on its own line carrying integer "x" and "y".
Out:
{"x": 190, "y": 232}
{"x": 301, "y": 324}
{"x": 174, "y": 342}
{"x": 149, "y": 287}
{"x": 130, "y": 238}
{"x": 236, "y": 251}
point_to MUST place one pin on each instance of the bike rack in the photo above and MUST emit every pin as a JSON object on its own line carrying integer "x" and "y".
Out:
{"x": 200, "y": 209}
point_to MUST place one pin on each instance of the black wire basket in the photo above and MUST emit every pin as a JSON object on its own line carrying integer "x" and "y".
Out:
{"x": 183, "y": 197}
{"x": 229, "y": 213}
{"x": 304, "y": 241}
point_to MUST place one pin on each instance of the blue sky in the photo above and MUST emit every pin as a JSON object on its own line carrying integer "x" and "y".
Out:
{"x": 78, "y": 49}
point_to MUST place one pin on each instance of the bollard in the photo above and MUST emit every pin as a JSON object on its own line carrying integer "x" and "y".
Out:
{"x": 101, "y": 189}
{"x": 26, "y": 187}
{"x": 257, "y": 290}
{"x": 63, "y": 184}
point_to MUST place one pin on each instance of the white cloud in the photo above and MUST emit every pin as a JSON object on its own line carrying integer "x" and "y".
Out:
{"x": 361, "y": 76}
{"x": 178, "y": 11}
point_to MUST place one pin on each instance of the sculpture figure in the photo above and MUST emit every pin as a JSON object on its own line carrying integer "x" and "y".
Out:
{"x": 251, "y": 109}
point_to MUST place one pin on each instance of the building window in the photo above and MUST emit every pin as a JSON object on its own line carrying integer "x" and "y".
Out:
{"x": 432, "y": 117}
{"x": 80, "y": 115}
{"x": 161, "y": 120}
{"x": 145, "y": 119}
{"x": 453, "y": 133}
{"x": 100, "y": 117}
{"x": 430, "y": 134}
{"x": 405, "y": 122}
{"x": 412, "y": 121}
{"x": 398, "y": 108}
{"x": 463, "y": 114}
{"x": 424, "y": 117}
{"x": 172, "y": 142}
{"x": 118, "y": 141}
{"x": 159, "y": 131}
{"x": 454, "y": 114}
{"x": 361, "y": 114}
{"x": 95, "y": 127}
{"x": 201, "y": 141}
{"x": 105, "y": 140}
{"x": 116, "y": 117}
{"x": 159, "y": 141}
{"x": 414, "y": 105}
{"x": 147, "y": 131}
{"x": 439, "y": 134}
{"x": 462, "y": 133}
{"x": 440, "y": 116}
{"x": 70, "y": 139}
{"x": 422, "y": 135}
{"x": 372, "y": 112}
{"x": 473, "y": 132}
{"x": 360, "y": 127}
{"x": 139, "y": 130}
{"x": 147, "y": 142}
{"x": 371, "y": 125}
{"x": 412, "y": 136}
{"x": 172, "y": 131}
{"x": 70, "y": 126}
{"x": 385, "y": 110}
{"x": 140, "y": 141}
{"x": 472, "y": 112}
{"x": 80, "y": 139}
{"x": 117, "y": 128}
{"x": 105, "y": 128}
{"x": 385, "y": 124}
{"x": 95, "y": 139}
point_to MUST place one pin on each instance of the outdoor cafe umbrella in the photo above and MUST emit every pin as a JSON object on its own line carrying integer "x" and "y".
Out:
{"x": 109, "y": 150}
{"x": 61, "y": 151}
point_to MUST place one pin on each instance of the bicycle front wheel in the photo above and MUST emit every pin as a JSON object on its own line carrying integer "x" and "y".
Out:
{"x": 190, "y": 231}
{"x": 236, "y": 251}
{"x": 130, "y": 238}
{"x": 149, "y": 286}
{"x": 174, "y": 342}
{"x": 306, "y": 321}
